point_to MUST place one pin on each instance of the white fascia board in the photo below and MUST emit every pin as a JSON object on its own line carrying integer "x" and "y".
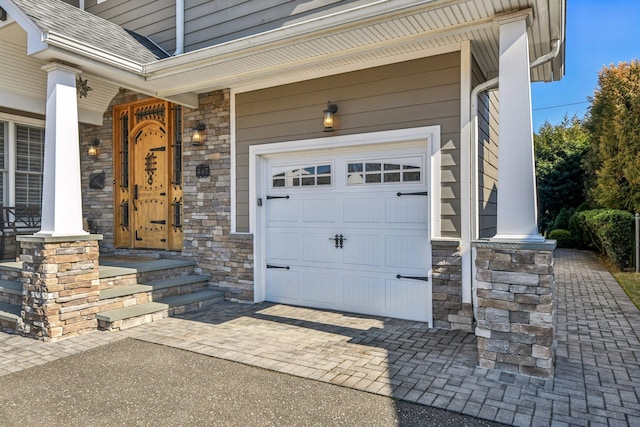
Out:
{"x": 382, "y": 9}
{"x": 115, "y": 75}
{"x": 79, "y": 48}
{"x": 35, "y": 38}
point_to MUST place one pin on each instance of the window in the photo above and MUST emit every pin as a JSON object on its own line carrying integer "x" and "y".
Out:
{"x": 21, "y": 163}
{"x": 303, "y": 176}
{"x": 388, "y": 171}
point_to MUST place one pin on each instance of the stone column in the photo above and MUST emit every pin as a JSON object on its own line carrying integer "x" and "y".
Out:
{"x": 516, "y": 312}
{"x": 60, "y": 283}
{"x": 517, "y": 209}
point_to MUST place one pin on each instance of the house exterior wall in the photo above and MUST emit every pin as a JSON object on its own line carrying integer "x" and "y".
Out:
{"x": 488, "y": 164}
{"x": 155, "y": 19}
{"x": 208, "y": 23}
{"x": 422, "y": 92}
{"x": 487, "y": 160}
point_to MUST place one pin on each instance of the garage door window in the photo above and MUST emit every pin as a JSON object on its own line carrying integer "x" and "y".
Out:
{"x": 389, "y": 171}
{"x": 303, "y": 176}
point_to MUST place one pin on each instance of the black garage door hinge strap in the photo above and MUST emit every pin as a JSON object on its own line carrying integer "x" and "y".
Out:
{"x": 423, "y": 278}
{"x": 284, "y": 267}
{"x": 418, "y": 193}
{"x": 277, "y": 197}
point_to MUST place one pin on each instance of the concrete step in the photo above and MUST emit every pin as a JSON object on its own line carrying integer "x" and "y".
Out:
{"x": 11, "y": 292}
{"x": 9, "y": 317}
{"x": 10, "y": 287}
{"x": 124, "y": 272}
{"x": 124, "y": 318}
{"x": 171, "y": 282}
{"x": 177, "y": 285}
{"x": 122, "y": 291}
{"x": 191, "y": 302}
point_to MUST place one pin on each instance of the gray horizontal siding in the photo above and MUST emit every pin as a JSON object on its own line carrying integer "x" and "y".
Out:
{"x": 155, "y": 19}
{"x": 487, "y": 157}
{"x": 209, "y": 23}
{"x": 422, "y": 92}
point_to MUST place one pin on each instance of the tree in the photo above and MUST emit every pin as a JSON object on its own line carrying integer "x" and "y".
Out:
{"x": 613, "y": 160}
{"x": 559, "y": 150}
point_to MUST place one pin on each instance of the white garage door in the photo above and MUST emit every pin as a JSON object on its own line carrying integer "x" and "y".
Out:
{"x": 348, "y": 231}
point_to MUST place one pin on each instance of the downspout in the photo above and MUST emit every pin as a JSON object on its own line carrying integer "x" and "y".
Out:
{"x": 179, "y": 27}
{"x": 475, "y": 93}
{"x": 81, "y": 4}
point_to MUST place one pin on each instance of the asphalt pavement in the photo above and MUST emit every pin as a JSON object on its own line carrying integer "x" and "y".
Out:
{"x": 136, "y": 383}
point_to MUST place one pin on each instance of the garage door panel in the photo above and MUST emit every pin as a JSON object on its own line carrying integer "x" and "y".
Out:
{"x": 283, "y": 285}
{"x": 318, "y": 248}
{"x": 363, "y": 250}
{"x": 408, "y": 299}
{"x": 322, "y": 210}
{"x": 284, "y": 245}
{"x": 282, "y": 210}
{"x": 320, "y": 287}
{"x": 364, "y": 293}
{"x": 362, "y": 210}
{"x": 406, "y": 210}
{"x": 384, "y": 234}
{"x": 406, "y": 251}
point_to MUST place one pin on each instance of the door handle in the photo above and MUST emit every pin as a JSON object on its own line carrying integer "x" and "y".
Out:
{"x": 339, "y": 240}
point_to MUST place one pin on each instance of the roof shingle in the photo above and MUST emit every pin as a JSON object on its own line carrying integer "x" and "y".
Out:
{"x": 56, "y": 16}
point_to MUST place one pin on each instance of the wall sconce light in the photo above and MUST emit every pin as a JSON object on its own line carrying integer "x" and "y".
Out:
{"x": 93, "y": 147}
{"x": 328, "y": 116}
{"x": 3, "y": 14}
{"x": 198, "y": 134}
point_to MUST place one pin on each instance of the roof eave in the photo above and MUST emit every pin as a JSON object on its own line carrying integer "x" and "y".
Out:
{"x": 82, "y": 49}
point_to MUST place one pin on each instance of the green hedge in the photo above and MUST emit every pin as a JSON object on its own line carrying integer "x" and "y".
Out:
{"x": 610, "y": 230}
{"x": 563, "y": 237}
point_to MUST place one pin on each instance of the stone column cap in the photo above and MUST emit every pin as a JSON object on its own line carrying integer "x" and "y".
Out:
{"x": 58, "y": 239}
{"x": 546, "y": 245}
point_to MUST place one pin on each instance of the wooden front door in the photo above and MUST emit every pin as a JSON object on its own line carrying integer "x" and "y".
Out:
{"x": 150, "y": 183}
{"x": 148, "y": 149}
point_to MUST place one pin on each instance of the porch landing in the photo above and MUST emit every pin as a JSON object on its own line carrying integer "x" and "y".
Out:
{"x": 133, "y": 291}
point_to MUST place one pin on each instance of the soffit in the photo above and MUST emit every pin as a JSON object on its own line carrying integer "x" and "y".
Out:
{"x": 23, "y": 85}
{"x": 382, "y": 32}
{"x": 407, "y": 32}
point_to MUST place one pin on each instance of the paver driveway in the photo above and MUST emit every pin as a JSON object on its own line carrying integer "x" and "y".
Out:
{"x": 597, "y": 379}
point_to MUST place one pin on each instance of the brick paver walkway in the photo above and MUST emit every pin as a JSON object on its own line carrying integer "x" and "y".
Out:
{"x": 597, "y": 378}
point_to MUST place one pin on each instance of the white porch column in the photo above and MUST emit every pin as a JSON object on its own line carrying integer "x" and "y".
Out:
{"x": 61, "y": 192}
{"x": 517, "y": 206}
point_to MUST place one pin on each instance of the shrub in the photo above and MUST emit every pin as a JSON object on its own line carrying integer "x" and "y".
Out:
{"x": 562, "y": 220}
{"x": 563, "y": 237}
{"x": 610, "y": 230}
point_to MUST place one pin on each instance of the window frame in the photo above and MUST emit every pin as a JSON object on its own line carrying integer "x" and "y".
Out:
{"x": 10, "y": 153}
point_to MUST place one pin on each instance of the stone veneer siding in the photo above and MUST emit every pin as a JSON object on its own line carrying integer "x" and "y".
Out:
{"x": 515, "y": 325}
{"x": 227, "y": 257}
{"x": 207, "y": 201}
{"x": 448, "y": 310}
{"x": 60, "y": 280}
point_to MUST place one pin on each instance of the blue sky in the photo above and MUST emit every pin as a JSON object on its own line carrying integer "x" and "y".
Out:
{"x": 599, "y": 33}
